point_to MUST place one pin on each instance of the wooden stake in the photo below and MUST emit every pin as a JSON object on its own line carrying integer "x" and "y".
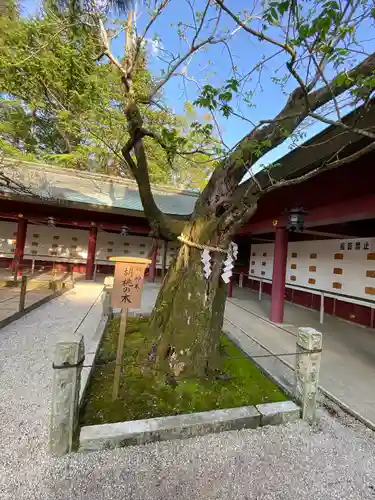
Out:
{"x": 120, "y": 351}
{"x": 23, "y": 293}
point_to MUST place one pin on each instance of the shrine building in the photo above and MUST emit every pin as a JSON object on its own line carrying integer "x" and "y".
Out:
{"x": 311, "y": 243}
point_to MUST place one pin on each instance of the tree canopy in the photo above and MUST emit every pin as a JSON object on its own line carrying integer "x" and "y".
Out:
{"x": 60, "y": 102}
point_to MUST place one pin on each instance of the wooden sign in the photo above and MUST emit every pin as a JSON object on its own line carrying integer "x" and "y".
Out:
{"x": 128, "y": 282}
{"x": 126, "y": 294}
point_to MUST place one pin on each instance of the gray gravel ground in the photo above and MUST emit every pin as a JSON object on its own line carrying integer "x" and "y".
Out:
{"x": 333, "y": 460}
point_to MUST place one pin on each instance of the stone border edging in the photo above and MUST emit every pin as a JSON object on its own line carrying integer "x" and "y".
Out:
{"x": 136, "y": 432}
{"x": 6, "y": 321}
{"x": 91, "y": 352}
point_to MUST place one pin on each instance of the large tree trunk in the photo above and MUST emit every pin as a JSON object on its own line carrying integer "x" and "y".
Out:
{"x": 189, "y": 312}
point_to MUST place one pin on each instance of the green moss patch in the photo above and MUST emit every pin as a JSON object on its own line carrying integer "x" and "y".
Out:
{"x": 144, "y": 395}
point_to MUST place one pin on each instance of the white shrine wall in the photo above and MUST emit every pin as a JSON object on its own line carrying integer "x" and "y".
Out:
{"x": 69, "y": 245}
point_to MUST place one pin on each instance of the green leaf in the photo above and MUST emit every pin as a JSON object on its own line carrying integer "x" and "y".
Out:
{"x": 232, "y": 84}
{"x": 226, "y": 110}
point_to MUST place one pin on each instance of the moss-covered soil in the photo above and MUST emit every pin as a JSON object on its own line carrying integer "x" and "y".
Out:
{"x": 143, "y": 394}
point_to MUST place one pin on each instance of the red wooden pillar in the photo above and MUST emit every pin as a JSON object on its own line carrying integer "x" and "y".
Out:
{"x": 278, "y": 275}
{"x": 91, "y": 251}
{"x": 230, "y": 289}
{"x": 20, "y": 245}
{"x": 152, "y": 273}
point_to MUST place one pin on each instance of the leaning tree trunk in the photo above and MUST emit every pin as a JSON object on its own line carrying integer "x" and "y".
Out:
{"x": 189, "y": 312}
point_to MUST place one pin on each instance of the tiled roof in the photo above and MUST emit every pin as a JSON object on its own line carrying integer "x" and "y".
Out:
{"x": 66, "y": 185}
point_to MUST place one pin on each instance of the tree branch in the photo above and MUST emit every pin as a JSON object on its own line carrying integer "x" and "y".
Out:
{"x": 161, "y": 224}
{"x": 258, "y": 34}
{"x": 340, "y": 124}
{"x": 323, "y": 168}
{"x": 234, "y": 167}
{"x": 201, "y": 23}
{"x": 181, "y": 60}
{"x": 140, "y": 39}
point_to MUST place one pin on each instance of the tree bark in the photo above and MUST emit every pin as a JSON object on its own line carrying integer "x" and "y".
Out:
{"x": 189, "y": 312}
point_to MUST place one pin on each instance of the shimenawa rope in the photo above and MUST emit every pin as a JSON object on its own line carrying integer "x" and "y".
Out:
{"x": 202, "y": 247}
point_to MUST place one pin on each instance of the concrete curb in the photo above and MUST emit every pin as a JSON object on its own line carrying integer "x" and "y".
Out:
{"x": 30, "y": 308}
{"x": 91, "y": 352}
{"x": 278, "y": 413}
{"x": 136, "y": 432}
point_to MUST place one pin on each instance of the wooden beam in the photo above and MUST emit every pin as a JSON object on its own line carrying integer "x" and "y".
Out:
{"x": 336, "y": 213}
{"x": 60, "y": 222}
{"x": 329, "y": 235}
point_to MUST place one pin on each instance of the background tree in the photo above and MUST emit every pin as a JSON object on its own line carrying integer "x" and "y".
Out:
{"x": 61, "y": 103}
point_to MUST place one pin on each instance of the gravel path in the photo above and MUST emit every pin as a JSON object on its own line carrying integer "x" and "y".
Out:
{"x": 333, "y": 460}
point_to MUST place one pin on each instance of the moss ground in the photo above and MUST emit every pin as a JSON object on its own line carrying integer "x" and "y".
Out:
{"x": 145, "y": 395}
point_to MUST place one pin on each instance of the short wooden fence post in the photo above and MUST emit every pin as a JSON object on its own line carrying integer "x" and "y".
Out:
{"x": 23, "y": 291}
{"x": 240, "y": 280}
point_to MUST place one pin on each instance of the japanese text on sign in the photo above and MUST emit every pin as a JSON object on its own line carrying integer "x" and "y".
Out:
{"x": 128, "y": 284}
{"x": 355, "y": 245}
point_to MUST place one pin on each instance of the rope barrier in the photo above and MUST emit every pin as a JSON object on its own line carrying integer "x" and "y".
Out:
{"x": 202, "y": 247}
{"x": 261, "y": 345}
{"x": 148, "y": 363}
{"x": 87, "y": 313}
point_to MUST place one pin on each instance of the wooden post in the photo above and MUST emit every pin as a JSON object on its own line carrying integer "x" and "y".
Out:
{"x": 164, "y": 259}
{"x": 152, "y": 269}
{"x": 278, "y": 275}
{"x": 52, "y": 283}
{"x": 120, "y": 351}
{"x": 20, "y": 246}
{"x": 240, "y": 280}
{"x": 23, "y": 293}
{"x": 321, "y": 308}
{"x": 126, "y": 292}
{"x": 91, "y": 251}
{"x": 230, "y": 289}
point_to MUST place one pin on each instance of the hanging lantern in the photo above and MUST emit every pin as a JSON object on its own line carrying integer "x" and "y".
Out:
{"x": 296, "y": 220}
{"x": 51, "y": 222}
{"x": 124, "y": 230}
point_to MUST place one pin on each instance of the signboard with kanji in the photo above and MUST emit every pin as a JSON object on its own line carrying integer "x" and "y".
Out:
{"x": 355, "y": 245}
{"x": 128, "y": 282}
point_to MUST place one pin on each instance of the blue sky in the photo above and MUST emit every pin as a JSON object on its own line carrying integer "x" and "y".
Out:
{"x": 246, "y": 52}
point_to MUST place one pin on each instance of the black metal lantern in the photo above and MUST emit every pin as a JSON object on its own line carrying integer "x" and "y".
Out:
{"x": 296, "y": 220}
{"x": 124, "y": 230}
